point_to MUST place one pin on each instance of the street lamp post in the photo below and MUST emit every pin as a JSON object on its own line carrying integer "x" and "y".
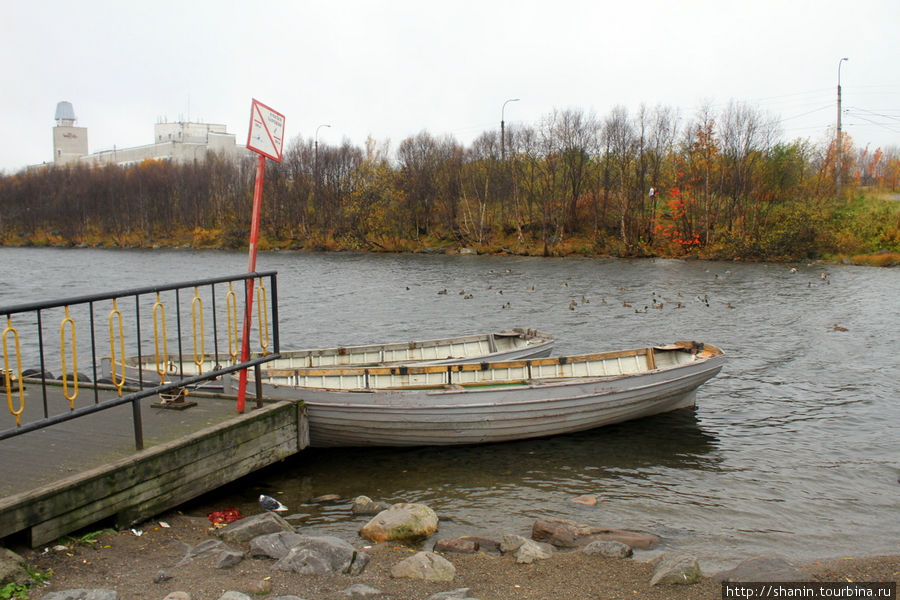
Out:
{"x": 316, "y": 163}
{"x": 840, "y": 147}
{"x": 502, "y": 129}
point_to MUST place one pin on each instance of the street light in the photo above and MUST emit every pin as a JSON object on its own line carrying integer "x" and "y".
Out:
{"x": 316, "y": 165}
{"x": 316, "y": 162}
{"x": 837, "y": 162}
{"x": 502, "y": 129}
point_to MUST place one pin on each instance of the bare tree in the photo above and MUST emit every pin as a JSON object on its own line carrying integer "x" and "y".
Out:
{"x": 621, "y": 142}
{"x": 576, "y": 137}
{"x": 744, "y": 133}
{"x": 660, "y": 141}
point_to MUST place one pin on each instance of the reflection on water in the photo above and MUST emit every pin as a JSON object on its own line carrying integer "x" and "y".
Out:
{"x": 472, "y": 485}
{"x": 673, "y": 441}
{"x": 792, "y": 449}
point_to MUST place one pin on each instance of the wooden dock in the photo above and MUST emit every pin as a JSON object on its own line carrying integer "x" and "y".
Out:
{"x": 62, "y": 478}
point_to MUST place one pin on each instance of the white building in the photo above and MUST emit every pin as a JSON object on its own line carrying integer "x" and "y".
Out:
{"x": 178, "y": 141}
{"x": 70, "y": 143}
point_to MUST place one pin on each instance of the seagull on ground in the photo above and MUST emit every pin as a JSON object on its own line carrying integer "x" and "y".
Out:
{"x": 270, "y": 503}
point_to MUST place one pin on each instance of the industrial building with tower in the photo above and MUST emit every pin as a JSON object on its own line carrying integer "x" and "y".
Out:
{"x": 178, "y": 141}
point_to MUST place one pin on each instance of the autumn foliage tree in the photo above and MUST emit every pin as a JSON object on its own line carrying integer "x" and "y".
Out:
{"x": 725, "y": 184}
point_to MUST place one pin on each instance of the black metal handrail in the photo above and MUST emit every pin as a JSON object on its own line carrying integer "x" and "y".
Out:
{"x": 12, "y": 377}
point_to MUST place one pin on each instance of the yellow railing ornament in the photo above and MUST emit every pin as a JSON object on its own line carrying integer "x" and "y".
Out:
{"x": 159, "y": 338}
{"x": 7, "y": 374}
{"x": 231, "y": 325}
{"x": 117, "y": 370}
{"x": 263, "y": 314}
{"x": 67, "y": 320}
{"x": 199, "y": 344}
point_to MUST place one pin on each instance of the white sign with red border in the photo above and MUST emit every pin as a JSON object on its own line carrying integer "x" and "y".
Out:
{"x": 266, "y": 134}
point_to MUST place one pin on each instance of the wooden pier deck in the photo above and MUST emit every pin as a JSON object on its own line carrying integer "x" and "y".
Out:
{"x": 59, "y": 479}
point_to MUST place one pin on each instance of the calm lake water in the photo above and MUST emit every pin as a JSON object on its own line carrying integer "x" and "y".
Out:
{"x": 792, "y": 450}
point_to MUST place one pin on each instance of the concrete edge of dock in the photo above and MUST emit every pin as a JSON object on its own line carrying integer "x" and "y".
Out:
{"x": 148, "y": 482}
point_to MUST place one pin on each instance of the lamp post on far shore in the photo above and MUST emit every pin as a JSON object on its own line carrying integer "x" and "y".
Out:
{"x": 839, "y": 149}
{"x": 502, "y": 129}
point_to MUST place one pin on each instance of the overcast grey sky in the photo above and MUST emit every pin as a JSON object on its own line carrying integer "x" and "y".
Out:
{"x": 393, "y": 69}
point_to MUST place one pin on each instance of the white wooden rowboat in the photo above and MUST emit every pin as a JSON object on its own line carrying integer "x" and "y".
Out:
{"x": 513, "y": 344}
{"x": 477, "y": 403}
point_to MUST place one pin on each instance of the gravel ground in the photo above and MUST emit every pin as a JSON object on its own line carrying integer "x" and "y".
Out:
{"x": 128, "y": 564}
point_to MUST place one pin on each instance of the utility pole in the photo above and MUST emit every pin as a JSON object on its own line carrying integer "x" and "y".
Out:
{"x": 502, "y": 129}
{"x": 840, "y": 147}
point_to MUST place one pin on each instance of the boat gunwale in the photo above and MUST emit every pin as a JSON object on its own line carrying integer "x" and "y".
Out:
{"x": 534, "y": 339}
{"x": 702, "y": 351}
{"x": 534, "y": 336}
{"x": 534, "y": 385}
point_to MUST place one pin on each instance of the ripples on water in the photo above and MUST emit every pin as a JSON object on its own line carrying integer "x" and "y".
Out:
{"x": 793, "y": 449}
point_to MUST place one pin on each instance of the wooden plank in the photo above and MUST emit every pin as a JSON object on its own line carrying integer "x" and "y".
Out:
{"x": 276, "y": 445}
{"x": 651, "y": 359}
{"x": 302, "y": 426}
{"x": 150, "y": 481}
{"x": 41, "y": 457}
{"x": 217, "y": 476}
{"x": 103, "y": 485}
{"x": 151, "y": 496}
{"x": 97, "y": 480}
{"x": 193, "y": 478}
{"x": 213, "y": 474}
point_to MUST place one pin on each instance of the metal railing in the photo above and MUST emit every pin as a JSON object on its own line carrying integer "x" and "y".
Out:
{"x": 123, "y": 358}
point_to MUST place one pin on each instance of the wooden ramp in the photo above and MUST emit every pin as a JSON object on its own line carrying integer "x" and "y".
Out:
{"x": 66, "y": 477}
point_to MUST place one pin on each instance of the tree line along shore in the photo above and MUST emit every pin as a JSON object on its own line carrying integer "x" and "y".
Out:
{"x": 717, "y": 186}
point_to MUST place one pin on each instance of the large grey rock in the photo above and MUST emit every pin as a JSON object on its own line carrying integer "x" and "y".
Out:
{"x": 401, "y": 522}
{"x": 251, "y": 527}
{"x": 676, "y": 569}
{"x": 459, "y": 545}
{"x": 257, "y": 587}
{"x": 229, "y": 558}
{"x": 425, "y": 565}
{"x": 162, "y": 576}
{"x": 762, "y": 568}
{"x": 232, "y": 595}
{"x": 361, "y": 590}
{"x": 275, "y": 545}
{"x": 82, "y": 594}
{"x": 12, "y": 567}
{"x": 459, "y": 594}
{"x": 323, "y": 555}
{"x": 526, "y": 551}
{"x": 363, "y": 505}
{"x": 484, "y": 544}
{"x": 304, "y": 562}
{"x": 511, "y": 542}
{"x": 569, "y": 534}
{"x": 204, "y": 547}
{"x": 531, "y": 551}
{"x": 607, "y": 549}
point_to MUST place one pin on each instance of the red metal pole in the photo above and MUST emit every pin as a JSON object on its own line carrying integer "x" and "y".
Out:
{"x": 251, "y": 268}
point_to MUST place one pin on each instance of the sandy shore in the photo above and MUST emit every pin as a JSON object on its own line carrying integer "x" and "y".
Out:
{"x": 129, "y": 564}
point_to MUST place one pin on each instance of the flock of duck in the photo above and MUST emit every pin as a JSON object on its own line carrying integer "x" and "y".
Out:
{"x": 656, "y": 301}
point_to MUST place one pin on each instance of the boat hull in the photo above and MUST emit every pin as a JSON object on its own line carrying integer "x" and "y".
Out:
{"x": 494, "y": 413}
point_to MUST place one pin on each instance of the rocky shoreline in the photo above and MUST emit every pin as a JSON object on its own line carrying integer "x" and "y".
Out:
{"x": 265, "y": 556}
